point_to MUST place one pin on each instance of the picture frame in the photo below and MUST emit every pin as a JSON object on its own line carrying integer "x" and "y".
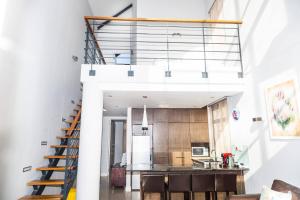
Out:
{"x": 282, "y": 101}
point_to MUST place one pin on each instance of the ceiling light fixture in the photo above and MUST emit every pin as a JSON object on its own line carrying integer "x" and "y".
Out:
{"x": 145, "y": 121}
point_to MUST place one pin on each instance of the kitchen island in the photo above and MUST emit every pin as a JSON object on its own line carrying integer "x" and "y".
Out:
{"x": 139, "y": 170}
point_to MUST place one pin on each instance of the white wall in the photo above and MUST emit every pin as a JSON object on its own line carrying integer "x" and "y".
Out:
{"x": 38, "y": 80}
{"x": 193, "y": 9}
{"x": 105, "y": 147}
{"x": 108, "y": 8}
{"x": 152, "y": 78}
{"x": 271, "y": 45}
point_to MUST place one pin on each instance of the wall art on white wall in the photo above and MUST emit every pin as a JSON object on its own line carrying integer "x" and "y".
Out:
{"x": 283, "y": 110}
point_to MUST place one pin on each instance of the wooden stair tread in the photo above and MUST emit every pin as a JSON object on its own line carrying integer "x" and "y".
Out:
{"x": 42, "y": 197}
{"x": 64, "y": 146}
{"x": 57, "y": 168}
{"x": 59, "y": 157}
{"x": 71, "y": 121}
{"x": 52, "y": 182}
{"x": 67, "y": 137}
{"x": 69, "y": 129}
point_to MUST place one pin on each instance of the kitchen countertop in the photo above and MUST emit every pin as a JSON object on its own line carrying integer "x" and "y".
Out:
{"x": 168, "y": 168}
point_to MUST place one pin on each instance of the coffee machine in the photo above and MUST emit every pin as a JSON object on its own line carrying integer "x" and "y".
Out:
{"x": 227, "y": 159}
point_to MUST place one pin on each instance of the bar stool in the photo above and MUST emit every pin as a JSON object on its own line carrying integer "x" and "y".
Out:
{"x": 180, "y": 183}
{"x": 153, "y": 184}
{"x": 225, "y": 183}
{"x": 203, "y": 183}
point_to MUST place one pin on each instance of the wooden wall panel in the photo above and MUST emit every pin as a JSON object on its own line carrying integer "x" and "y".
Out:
{"x": 161, "y": 158}
{"x": 179, "y": 115}
{"x": 161, "y": 143}
{"x": 137, "y": 115}
{"x": 199, "y": 132}
{"x": 198, "y": 115}
{"x": 179, "y": 136}
{"x": 160, "y": 115}
{"x": 161, "y": 137}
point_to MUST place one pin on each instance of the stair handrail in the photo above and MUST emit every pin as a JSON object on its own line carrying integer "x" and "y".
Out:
{"x": 91, "y": 33}
{"x": 72, "y": 155}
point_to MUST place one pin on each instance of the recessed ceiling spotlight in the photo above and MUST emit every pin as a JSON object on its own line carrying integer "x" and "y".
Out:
{"x": 145, "y": 97}
{"x": 104, "y": 110}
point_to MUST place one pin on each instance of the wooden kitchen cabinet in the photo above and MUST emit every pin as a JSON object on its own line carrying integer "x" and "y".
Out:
{"x": 160, "y": 115}
{"x": 198, "y": 115}
{"x": 179, "y": 115}
{"x": 176, "y": 158}
{"x": 174, "y": 130}
{"x": 187, "y": 158}
{"x": 137, "y": 115}
{"x": 179, "y": 136}
{"x": 179, "y": 144}
{"x": 199, "y": 132}
{"x": 160, "y": 143}
{"x": 181, "y": 158}
{"x": 161, "y": 158}
{"x": 161, "y": 137}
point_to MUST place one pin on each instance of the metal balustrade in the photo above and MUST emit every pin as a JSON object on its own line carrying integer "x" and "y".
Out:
{"x": 204, "y": 44}
{"x": 71, "y": 161}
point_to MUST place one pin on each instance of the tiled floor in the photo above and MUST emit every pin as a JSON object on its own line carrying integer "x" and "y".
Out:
{"x": 107, "y": 193}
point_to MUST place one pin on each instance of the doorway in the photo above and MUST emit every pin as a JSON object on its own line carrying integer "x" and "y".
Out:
{"x": 117, "y": 153}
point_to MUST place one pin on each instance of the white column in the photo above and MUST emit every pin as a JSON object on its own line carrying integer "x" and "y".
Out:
{"x": 88, "y": 177}
{"x": 128, "y": 147}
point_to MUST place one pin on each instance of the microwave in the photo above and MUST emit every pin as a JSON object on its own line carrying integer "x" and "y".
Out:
{"x": 200, "y": 151}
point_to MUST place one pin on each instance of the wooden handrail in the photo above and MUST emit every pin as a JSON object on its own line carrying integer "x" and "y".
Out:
{"x": 94, "y": 38}
{"x": 209, "y": 21}
{"x": 74, "y": 124}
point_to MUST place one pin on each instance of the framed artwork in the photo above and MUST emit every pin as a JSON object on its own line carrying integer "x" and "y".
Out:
{"x": 283, "y": 111}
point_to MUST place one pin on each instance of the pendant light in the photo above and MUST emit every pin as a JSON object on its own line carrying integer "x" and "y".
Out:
{"x": 145, "y": 121}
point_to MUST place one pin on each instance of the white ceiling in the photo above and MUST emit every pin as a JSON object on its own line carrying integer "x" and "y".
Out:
{"x": 117, "y": 102}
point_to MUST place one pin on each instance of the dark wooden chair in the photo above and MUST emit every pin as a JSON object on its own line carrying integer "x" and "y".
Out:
{"x": 153, "y": 184}
{"x": 225, "y": 183}
{"x": 203, "y": 183}
{"x": 180, "y": 183}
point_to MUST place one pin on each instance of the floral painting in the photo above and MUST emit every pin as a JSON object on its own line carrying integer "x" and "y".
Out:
{"x": 283, "y": 111}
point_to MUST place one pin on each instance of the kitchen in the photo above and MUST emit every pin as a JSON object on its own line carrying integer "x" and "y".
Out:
{"x": 179, "y": 140}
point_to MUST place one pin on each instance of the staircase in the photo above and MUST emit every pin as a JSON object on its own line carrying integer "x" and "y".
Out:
{"x": 67, "y": 150}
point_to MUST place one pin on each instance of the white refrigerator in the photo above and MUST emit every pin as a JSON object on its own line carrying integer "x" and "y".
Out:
{"x": 141, "y": 152}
